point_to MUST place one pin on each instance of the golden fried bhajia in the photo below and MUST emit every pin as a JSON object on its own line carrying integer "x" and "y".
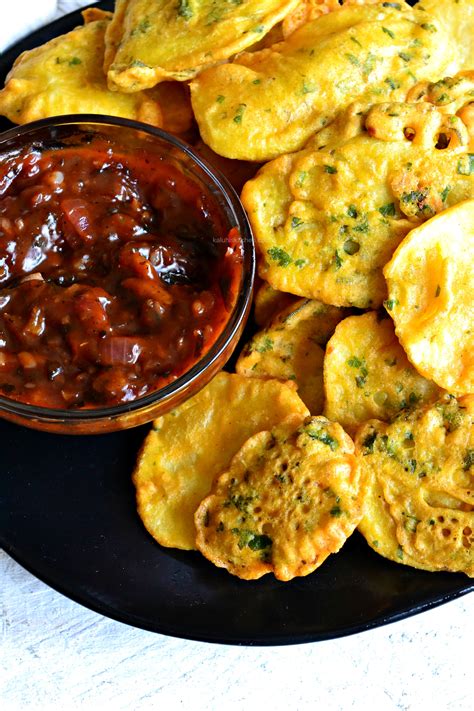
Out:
{"x": 268, "y": 303}
{"x": 367, "y": 374}
{"x": 327, "y": 221}
{"x": 431, "y": 295}
{"x": 290, "y": 349}
{"x": 193, "y": 443}
{"x": 64, "y": 76}
{"x": 147, "y": 43}
{"x": 289, "y": 499}
{"x": 265, "y": 104}
{"x": 420, "y": 501}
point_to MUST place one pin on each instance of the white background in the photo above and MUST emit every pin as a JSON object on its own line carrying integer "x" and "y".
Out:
{"x": 55, "y": 654}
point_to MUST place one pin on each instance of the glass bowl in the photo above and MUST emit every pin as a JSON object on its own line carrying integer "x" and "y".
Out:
{"x": 146, "y": 408}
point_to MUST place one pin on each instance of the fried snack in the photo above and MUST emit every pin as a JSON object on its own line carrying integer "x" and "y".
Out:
{"x": 147, "y": 43}
{"x": 268, "y": 303}
{"x": 290, "y": 349}
{"x": 367, "y": 374}
{"x": 431, "y": 295}
{"x": 327, "y": 221}
{"x": 64, "y": 76}
{"x": 289, "y": 499}
{"x": 420, "y": 502}
{"x": 268, "y": 103}
{"x": 193, "y": 443}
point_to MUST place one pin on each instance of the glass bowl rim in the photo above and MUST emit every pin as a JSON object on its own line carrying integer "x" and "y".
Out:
{"x": 239, "y": 312}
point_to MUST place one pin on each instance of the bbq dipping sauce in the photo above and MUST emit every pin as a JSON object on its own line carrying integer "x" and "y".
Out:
{"x": 126, "y": 269}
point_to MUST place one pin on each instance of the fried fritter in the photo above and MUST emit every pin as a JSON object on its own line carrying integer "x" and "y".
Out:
{"x": 65, "y": 76}
{"x": 327, "y": 221}
{"x": 193, "y": 443}
{"x": 290, "y": 498}
{"x": 147, "y": 43}
{"x": 268, "y": 103}
{"x": 420, "y": 503}
{"x": 367, "y": 374}
{"x": 431, "y": 295}
{"x": 290, "y": 349}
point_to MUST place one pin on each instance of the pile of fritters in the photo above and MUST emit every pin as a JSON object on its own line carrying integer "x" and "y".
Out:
{"x": 363, "y": 216}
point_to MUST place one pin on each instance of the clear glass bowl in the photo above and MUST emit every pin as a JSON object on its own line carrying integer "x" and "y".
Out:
{"x": 146, "y": 408}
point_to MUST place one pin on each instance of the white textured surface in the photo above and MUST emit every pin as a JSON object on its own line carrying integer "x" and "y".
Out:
{"x": 55, "y": 654}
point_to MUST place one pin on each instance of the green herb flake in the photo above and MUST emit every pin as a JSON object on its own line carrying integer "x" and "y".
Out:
{"x": 445, "y": 192}
{"x": 466, "y": 164}
{"x": 468, "y": 460}
{"x": 375, "y": 544}
{"x": 400, "y": 553}
{"x": 296, "y": 222}
{"x": 355, "y": 362}
{"x": 369, "y": 64}
{"x": 393, "y": 84}
{"x": 279, "y": 255}
{"x": 266, "y": 345}
{"x": 390, "y": 304}
{"x": 337, "y": 260}
{"x": 395, "y": 5}
{"x": 220, "y": 99}
{"x": 356, "y": 41}
{"x": 259, "y": 542}
{"x": 300, "y": 263}
{"x": 257, "y": 81}
{"x": 184, "y": 10}
{"x": 330, "y": 169}
{"x": 352, "y": 212}
{"x": 353, "y": 59}
{"x": 302, "y": 175}
{"x": 387, "y": 210}
{"x": 428, "y": 27}
{"x": 324, "y": 437}
{"x": 388, "y": 32}
{"x": 405, "y": 56}
{"x": 239, "y": 113}
{"x": 336, "y": 511}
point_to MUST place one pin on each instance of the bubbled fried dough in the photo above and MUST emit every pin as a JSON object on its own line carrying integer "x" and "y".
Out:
{"x": 289, "y": 499}
{"x": 420, "y": 474}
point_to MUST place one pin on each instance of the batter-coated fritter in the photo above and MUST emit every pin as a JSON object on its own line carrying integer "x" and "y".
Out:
{"x": 193, "y": 443}
{"x": 65, "y": 76}
{"x": 367, "y": 374}
{"x": 168, "y": 39}
{"x": 327, "y": 221}
{"x": 431, "y": 295}
{"x": 290, "y": 349}
{"x": 268, "y": 103}
{"x": 420, "y": 501}
{"x": 457, "y": 19}
{"x": 290, "y": 498}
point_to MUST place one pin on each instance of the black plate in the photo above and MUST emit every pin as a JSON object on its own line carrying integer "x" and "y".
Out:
{"x": 68, "y": 516}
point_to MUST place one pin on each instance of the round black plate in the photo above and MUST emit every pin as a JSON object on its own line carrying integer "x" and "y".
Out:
{"x": 67, "y": 514}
